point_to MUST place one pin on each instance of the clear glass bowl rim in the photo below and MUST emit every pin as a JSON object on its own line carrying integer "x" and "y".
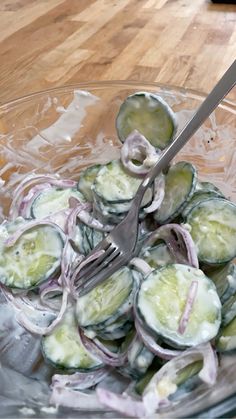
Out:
{"x": 227, "y": 104}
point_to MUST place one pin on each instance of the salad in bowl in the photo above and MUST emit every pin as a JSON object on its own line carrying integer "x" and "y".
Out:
{"x": 161, "y": 330}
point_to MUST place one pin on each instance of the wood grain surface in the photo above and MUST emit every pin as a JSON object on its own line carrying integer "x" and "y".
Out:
{"x": 46, "y": 43}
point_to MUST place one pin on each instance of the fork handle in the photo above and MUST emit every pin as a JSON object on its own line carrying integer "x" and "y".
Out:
{"x": 225, "y": 84}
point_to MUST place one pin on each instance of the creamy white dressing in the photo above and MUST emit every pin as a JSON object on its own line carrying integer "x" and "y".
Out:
{"x": 27, "y": 411}
{"x": 228, "y": 342}
{"x": 67, "y": 125}
{"x": 165, "y": 387}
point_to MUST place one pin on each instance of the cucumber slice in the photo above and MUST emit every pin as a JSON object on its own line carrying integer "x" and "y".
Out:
{"x": 213, "y": 229}
{"x": 229, "y": 310}
{"x": 63, "y": 347}
{"x": 114, "y": 209}
{"x": 209, "y": 187}
{"x": 157, "y": 256}
{"x": 111, "y": 327}
{"x": 34, "y": 258}
{"x": 150, "y": 115}
{"x": 116, "y": 330}
{"x": 86, "y": 238}
{"x": 227, "y": 337}
{"x": 113, "y": 185}
{"x": 224, "y": 278}
{"x": 188, "y": 372}
{"x": 109, "y": 213}
{"x": 139, "y": 359}
{"x": 86, "y": 181}
{"x": 107, "y": 301}
{"x": 97, "y": 237}
{"x": 180, "y": 184}
{"x": 162, "y": 299}
{"x": 197, "y": 197}
{"x": 183, "y": 379}
{"x": 52, "y": 200}
{"x": 143, "y": 381}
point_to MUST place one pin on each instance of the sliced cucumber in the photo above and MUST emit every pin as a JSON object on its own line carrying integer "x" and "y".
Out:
{"x": 157, "y": 256}
{"x": 143, "y": 381}
{"x": 86, "y": 238}
{"x": 227, "y": 337}
{"x": 113, "y": 185}
{"x": 106, "y": 216}
{"x": 52, "y": 200}
{"x": 209, "y": 187}
{"x": 180, "y": 183}
{"x": 116, "y": 330}
{"x": 109, "y": 213}
{"x": 197, "y": 197}
{"x": 64, "y": 349}
{"x": 150, "y": 115}
{"x": 139, "y": 359}
{"x": 183, "y": 382}
{"x": 213, "y": 229}
{"x": 107, "y": 301}
{"x": 224, "y": 277}
{"x": 114, "y": 209}
{"x": 229, "y": 310}
{"x": 188, "y": 372}
{"x": 162, "y": 299}
{"x": 34, "y": 257}
{"x": 86, "y": 181}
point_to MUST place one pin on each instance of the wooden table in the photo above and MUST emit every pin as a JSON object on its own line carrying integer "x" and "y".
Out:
{"x": 45, "y": 43}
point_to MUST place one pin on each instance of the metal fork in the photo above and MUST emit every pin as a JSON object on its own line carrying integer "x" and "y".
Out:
{"x": 121, "y": 243}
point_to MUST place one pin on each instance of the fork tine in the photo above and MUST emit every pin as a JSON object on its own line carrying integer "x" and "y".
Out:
{"x": 97, "y": 267}
{"x": 89, "y": 284}
{"x": 91, "y": 265}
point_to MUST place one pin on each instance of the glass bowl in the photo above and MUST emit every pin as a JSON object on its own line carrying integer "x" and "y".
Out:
{"x": 63, "y": 130}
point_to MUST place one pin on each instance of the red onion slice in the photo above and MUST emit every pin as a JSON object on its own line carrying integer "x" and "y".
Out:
{"x": 83, "y": 213}
{"x": 102, "y": 353}
{"x": 79, "y": 380}
{"x": 159, "y": 193}
{"x": 75, "y": 279}
{"x": 179, "y": 242}
{"x": 163, "y": 384}
{"x": 74, "y": 399}
{"x": 26, "y": 203}
{"x": 192, "y": 293}
{"x": 121, "y": 403}
{"x": 23, "y": 303}
{"x": 76, "y": 207}
{"x": 148, "y": 340}
{"x": 28, "y": 226}
{"x": 67, "y": 260}
{"x": 25, "y": 321}
{"x": 92, "y": 222}
{"x": 137, "y": 147}
{"x": 31, "y": 180}
{"x": 141, "y": 266}
{"x": 153, "y": 346}
{"x": 51, "y": 288}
